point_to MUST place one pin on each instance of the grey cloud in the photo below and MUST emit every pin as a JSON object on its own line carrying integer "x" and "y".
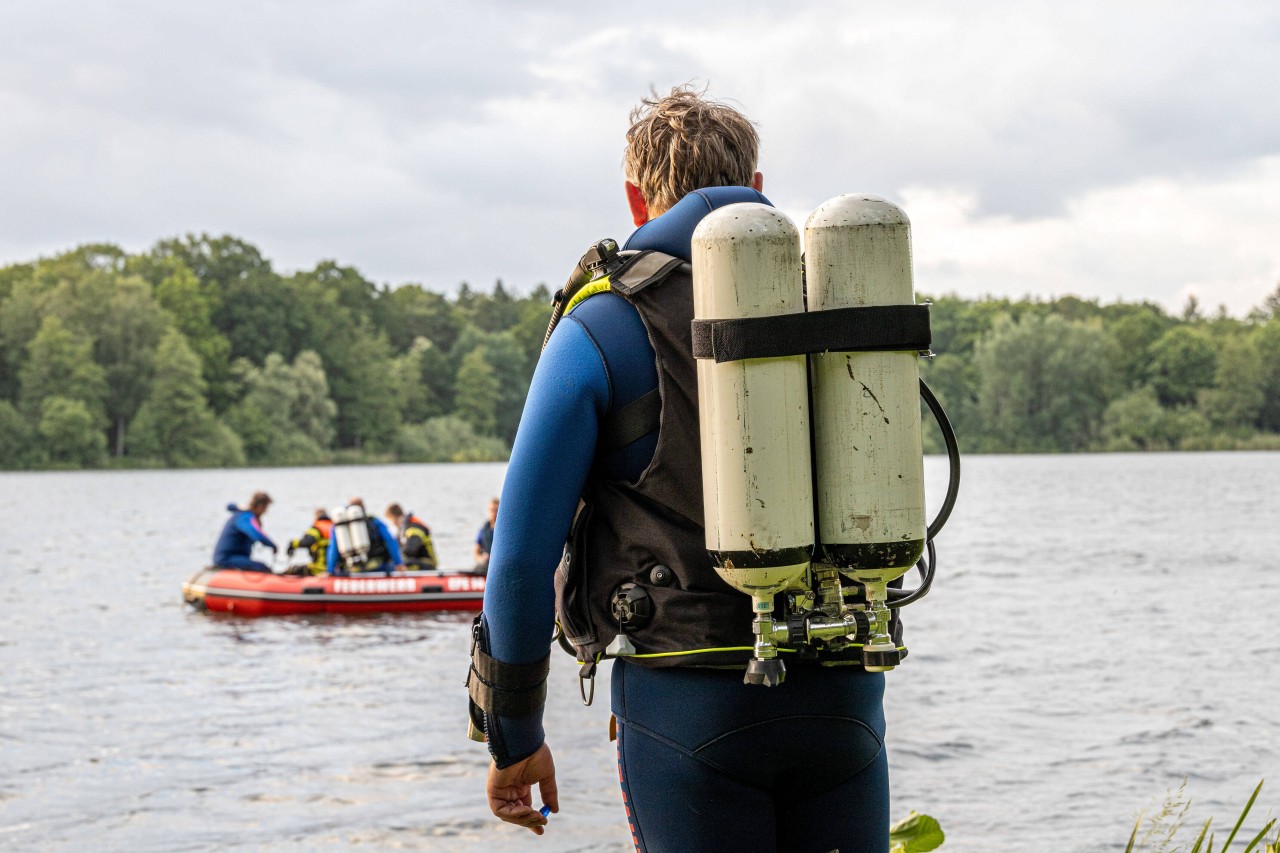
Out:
{"x": 431, "y": 142}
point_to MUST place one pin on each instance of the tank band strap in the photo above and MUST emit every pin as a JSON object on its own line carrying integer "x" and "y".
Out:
{"x": 864, "y": 328}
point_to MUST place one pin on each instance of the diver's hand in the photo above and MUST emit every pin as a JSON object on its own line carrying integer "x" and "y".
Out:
{"x": 509, "y": 790}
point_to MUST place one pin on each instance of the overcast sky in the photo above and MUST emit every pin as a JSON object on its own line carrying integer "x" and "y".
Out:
{"x": 1121, "y": 150}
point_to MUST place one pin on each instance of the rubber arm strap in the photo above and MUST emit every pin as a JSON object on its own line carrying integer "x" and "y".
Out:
{"x": 864, "y": 328}
{"x": 505, "y": 689}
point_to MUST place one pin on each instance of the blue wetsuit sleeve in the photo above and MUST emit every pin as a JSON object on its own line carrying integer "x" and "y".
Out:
{"x": 248, "y": 525}
{"x": 552, "y": 454}
{"x": 393, "y": 547}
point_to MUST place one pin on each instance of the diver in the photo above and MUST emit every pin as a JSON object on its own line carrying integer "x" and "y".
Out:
{"x": 243, "y": 528}
{"x": 484, "y": 539}
{"x": 383, "y": 553}
{"x": 706, "y": 763}
{"x": 415, "y": 539}
{"x": 315, "y": 542}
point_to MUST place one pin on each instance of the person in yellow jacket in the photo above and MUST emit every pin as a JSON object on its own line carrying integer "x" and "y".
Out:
{"x": 415, "y": 539}
{"x": 315, "y": 541}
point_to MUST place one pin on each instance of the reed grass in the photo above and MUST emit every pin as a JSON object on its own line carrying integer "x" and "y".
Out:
{"x": 1164, "y": 829}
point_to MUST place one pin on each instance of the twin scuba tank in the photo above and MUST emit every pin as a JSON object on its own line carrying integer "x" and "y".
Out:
{"x": 812, "y": 467}
{"x": 351, "y": 533}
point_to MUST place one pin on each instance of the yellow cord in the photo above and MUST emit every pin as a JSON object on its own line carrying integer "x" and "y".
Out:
{"x": 700, "y": 652}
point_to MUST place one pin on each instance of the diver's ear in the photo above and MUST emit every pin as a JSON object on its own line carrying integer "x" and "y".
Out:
{"x": 757, "y": 183}
{"x": 639, "y": 207}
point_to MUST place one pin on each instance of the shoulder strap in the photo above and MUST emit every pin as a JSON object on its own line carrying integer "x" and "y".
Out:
{"x": 642, "y": 269}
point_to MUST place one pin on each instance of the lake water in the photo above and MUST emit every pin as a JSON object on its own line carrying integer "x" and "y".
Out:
{"x": 1101, "y": 627}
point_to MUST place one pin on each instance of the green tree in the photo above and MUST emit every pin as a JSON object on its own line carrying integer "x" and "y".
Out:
{"x": 70, "y": 432}
{"x": 1182, "y": 362}
{"x": 1043, "y": 384}
{"x": 127, "y": 328}
{"x": 415, "y": 388}
{"x": 1235, "y": 401}
{"x": 175, "y": 424}
{"x": 529, "y": 331}
{"x": 61, "y": 364}
{"x": 409, "y": 312}
{"x": 1134, "y": 333}
{"x": 513, "y": 374}
{"x": 21, "y": 314}
{"x": 954, "y": 381}
{"x": 357, "y": 360}
{"x": 310, "y": 409}
{"x": 1266, "y": 340}
{"x": 447, "y": 439}
{"x": 190, "y": 308}
{"x": 18, "y": 447}
{"x": 476, "y": 397}
{"x": 265, "y": 418}
{"x": 1136, "y": 421}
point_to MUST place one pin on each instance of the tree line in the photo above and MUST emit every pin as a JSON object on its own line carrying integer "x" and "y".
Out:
{"x": 197, "y": 353}
{"x": 1070, "y": 374}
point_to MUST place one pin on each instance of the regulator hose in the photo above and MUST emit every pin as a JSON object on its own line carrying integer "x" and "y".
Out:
{"x": 928, "y": 562}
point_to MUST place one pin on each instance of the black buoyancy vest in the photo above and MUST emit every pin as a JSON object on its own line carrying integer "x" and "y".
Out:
{"x": 624, "y": 530}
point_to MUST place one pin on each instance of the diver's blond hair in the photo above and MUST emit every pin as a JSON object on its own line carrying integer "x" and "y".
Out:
{"x": 683, "y": 142}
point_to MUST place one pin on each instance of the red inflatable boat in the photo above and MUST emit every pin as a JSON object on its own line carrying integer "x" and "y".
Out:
{"x": 261, "y": 594}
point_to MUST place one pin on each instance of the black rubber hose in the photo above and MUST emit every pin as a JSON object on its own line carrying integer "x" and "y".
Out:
{"x": 928, "y": 562}
{"x": 927, "y": 565}
{"x": 953, "y": 458}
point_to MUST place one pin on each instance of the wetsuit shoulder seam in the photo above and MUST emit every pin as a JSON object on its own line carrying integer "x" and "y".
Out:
{"x": 604, "y": 362}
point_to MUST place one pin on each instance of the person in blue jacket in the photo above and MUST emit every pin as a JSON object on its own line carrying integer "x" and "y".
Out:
{"x": 243, "y": 528}
{"x": 706, "y": 763}
{"x": 384, "y": 551}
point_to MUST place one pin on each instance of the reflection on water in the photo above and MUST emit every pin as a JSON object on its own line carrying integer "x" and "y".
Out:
{"x": 1102, "y": 626}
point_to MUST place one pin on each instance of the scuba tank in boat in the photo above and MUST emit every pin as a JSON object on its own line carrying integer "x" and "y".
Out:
{"x": 855, "y": 419}
{"x": 351, "y": 534}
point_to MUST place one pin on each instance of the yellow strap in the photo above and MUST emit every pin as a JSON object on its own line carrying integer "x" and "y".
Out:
{"x": 597, "y": 286}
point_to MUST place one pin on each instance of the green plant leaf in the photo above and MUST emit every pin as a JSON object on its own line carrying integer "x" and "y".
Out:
{"x": 1204, "y": 830}
{"x": 1257, "y": 839}
{"x": 916, "y": 833}
{"x": 1243, "y": 815}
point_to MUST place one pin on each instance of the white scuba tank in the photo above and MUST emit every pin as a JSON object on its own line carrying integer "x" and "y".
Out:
{"x": 868, "y": 462}
{"x": 359, "y": 533}
{"x": 753, "y": 414}
{"x": 341, "y": 532}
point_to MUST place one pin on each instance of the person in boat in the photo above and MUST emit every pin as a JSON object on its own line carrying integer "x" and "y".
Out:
{"x": 384, "y": 551}
{"x": 315, "y": 542}
{"x": 484, "y": 539}
{"x": 415, "y": 539}
{"x": 706, "y": 763}
{"x": 235, "y": 544}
